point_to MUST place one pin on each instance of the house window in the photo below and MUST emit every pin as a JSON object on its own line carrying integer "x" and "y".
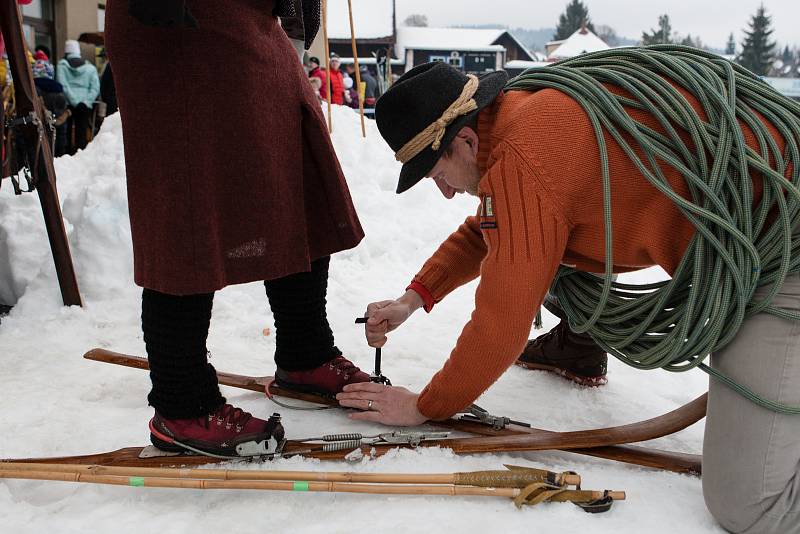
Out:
{"x": 456, "y": 60}
{"x": 37, "y": 24}
{"x": 438, "y": 59}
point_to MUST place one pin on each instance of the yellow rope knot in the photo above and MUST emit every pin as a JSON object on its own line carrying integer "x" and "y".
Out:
{"x": 433, "y": 134}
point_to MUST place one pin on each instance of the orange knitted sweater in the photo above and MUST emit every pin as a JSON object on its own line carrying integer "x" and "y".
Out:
{"x": 542, "y": 205}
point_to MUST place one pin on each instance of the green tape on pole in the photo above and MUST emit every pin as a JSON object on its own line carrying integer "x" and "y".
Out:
{"x": 300, "y": 485}
{"x": 136, "y": 482}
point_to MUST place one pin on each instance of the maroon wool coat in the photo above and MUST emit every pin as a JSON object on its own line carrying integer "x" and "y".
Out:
{"x": 232, "y": 176}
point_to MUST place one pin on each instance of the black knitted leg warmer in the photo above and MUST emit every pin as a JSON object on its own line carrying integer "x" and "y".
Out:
{"x": 175, "y": 331}
{"x": 303, "y": 338}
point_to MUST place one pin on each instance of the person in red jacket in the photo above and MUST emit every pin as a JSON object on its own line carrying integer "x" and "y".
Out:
{"x": 319, "y": 73}
{"x": 337, "y": 81}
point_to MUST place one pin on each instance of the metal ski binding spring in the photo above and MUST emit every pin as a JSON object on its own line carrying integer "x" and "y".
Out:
{"x": 376, "y": 376}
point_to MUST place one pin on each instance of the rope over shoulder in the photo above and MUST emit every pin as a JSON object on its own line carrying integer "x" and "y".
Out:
{"x": 737, "y": 247}
{"x": 433, "y": 134}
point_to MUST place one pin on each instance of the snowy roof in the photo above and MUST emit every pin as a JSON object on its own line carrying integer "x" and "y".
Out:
{"x": 372, "y": 19}
{"x": 520, "y": 64}
{"x": 580, "y": 42}
{"x": 479, "y": 40}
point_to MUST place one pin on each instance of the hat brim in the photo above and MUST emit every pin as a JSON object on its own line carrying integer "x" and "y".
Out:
{"x": 489, "y": 86}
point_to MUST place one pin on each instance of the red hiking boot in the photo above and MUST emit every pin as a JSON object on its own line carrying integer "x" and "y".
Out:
{"x": 326, "y": 380}
{"x": 574, "y": 356}
{"x": 219, "y": 433}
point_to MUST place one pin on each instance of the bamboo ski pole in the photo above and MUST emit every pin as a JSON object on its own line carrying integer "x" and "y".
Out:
{"x": 327, "y": 61}
{"x": 515, "y": 477}
{"x": 557, "y": 495}
{"x": 358, "y": 71}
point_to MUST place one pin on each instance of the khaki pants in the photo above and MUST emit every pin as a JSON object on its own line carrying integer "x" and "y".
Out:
{"x": 751, "y": 456}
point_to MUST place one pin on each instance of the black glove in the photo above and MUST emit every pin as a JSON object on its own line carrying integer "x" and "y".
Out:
{"x": 167, "y": 13}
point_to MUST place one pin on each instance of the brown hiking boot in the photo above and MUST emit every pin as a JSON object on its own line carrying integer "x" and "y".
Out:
{"x": 573, "y": 356}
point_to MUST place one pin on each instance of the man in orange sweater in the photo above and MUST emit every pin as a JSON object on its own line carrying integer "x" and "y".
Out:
{"x": 530, "y": 157}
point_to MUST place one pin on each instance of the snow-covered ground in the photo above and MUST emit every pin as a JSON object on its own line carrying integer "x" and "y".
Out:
{"x": 56, "y": 403}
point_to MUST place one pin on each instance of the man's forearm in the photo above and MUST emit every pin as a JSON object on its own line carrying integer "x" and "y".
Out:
{"x": 412, "y": 299}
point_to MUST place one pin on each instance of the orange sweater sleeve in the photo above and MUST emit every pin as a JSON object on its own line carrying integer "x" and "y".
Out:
{"x": 456, "y": 262}
{"x": 526, "y": 237}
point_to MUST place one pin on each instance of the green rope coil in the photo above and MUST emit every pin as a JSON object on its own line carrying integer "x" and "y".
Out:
{"x": 676, "y": 324}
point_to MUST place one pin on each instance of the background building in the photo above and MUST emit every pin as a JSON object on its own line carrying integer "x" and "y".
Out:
{"x": 51, "y": 22}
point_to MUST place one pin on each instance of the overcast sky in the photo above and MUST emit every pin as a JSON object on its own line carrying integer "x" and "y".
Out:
{"x": 712, "y": 21}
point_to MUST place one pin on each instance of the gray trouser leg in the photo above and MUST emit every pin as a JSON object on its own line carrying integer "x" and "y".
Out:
{"x": 751, "y": 456}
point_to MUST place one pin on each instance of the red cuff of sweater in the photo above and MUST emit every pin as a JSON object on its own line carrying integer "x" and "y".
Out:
{"x": 423, "y": 292}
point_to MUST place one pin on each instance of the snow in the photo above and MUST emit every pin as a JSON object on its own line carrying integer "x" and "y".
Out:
{"x": 372, "y": 19}
{"x": 56, "y": 403}
{"x": 424, "y": 38}
{"x": 580, "y": 42}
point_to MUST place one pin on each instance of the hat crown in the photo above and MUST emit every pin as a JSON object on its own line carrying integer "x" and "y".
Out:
{"x": 417, "y": 99}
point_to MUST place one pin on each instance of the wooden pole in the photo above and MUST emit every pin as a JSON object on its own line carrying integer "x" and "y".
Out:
{"x": 518, "y": 478}
{"x": 327, "y": 61}
{"x": 358, "y": 71}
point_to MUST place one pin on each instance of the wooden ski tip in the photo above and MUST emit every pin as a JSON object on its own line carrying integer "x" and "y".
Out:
{"x": 93, "y": 354}
{"x": 617, "y": 495}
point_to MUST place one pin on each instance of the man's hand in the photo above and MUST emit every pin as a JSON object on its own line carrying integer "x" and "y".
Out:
{"x": 386, "y": 315}
{"x": 168, "y": 13}
{"x": 389, "y": 405}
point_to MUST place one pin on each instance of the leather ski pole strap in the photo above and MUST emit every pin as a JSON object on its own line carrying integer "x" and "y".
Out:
{"x": 516, "y": 477}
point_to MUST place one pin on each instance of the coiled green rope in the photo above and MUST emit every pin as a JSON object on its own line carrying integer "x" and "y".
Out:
{"x": 676, "y": 324}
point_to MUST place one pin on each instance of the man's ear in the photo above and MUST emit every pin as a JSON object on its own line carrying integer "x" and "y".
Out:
{"x": 470, "y": 137}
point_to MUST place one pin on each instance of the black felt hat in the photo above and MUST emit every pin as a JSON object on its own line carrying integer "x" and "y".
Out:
{"x": 419, "y": 98}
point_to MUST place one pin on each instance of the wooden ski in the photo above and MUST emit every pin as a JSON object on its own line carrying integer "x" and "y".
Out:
{"x": 611, "y": 443}
{"x": 29, "y": 124}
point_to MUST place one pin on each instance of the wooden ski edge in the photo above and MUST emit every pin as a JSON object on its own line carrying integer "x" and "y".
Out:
{"x": 606, "y": 443}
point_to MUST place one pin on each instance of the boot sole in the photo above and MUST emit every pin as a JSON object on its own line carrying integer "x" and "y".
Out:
{"x": 158, "y": 441}
{"x": 588, "y": 381}
{"x": 303, "y": 388}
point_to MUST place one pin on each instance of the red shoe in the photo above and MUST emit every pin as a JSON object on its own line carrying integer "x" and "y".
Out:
{"x": 219, "y": 433}
{"x": 326, "y": 380}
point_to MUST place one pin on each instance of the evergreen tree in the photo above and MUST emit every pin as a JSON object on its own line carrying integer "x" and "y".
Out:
{"x": 758, "y": 52}
{"x": 687, "y": 41}
{"x": 662, "y": 35}
{"x": 730, "y": 48}
{"x": 572, "y": 19}
{"x": 787, "y": 56}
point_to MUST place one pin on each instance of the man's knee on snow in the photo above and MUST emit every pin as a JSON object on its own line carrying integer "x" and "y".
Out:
{"x": 742, "y": 507}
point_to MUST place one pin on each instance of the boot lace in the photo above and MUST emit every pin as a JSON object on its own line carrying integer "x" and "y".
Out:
{"x": 230, "y": 416}
{"x": 340, "y": 364}
{"x": 559, "y": 333}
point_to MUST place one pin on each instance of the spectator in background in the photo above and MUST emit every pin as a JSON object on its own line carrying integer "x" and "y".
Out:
{"x": 45, "y": 50}
{"x": 81, "y": 87}
{"x": 337, "y": 81}
{"x": 108, "y": 93}
{"x": 371, "y": 92}
{"x": 319, "y": 73}
{"x": 350, "y": 93}
{"x": 52, "y": 94}
{"x": 316, "y": 84}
